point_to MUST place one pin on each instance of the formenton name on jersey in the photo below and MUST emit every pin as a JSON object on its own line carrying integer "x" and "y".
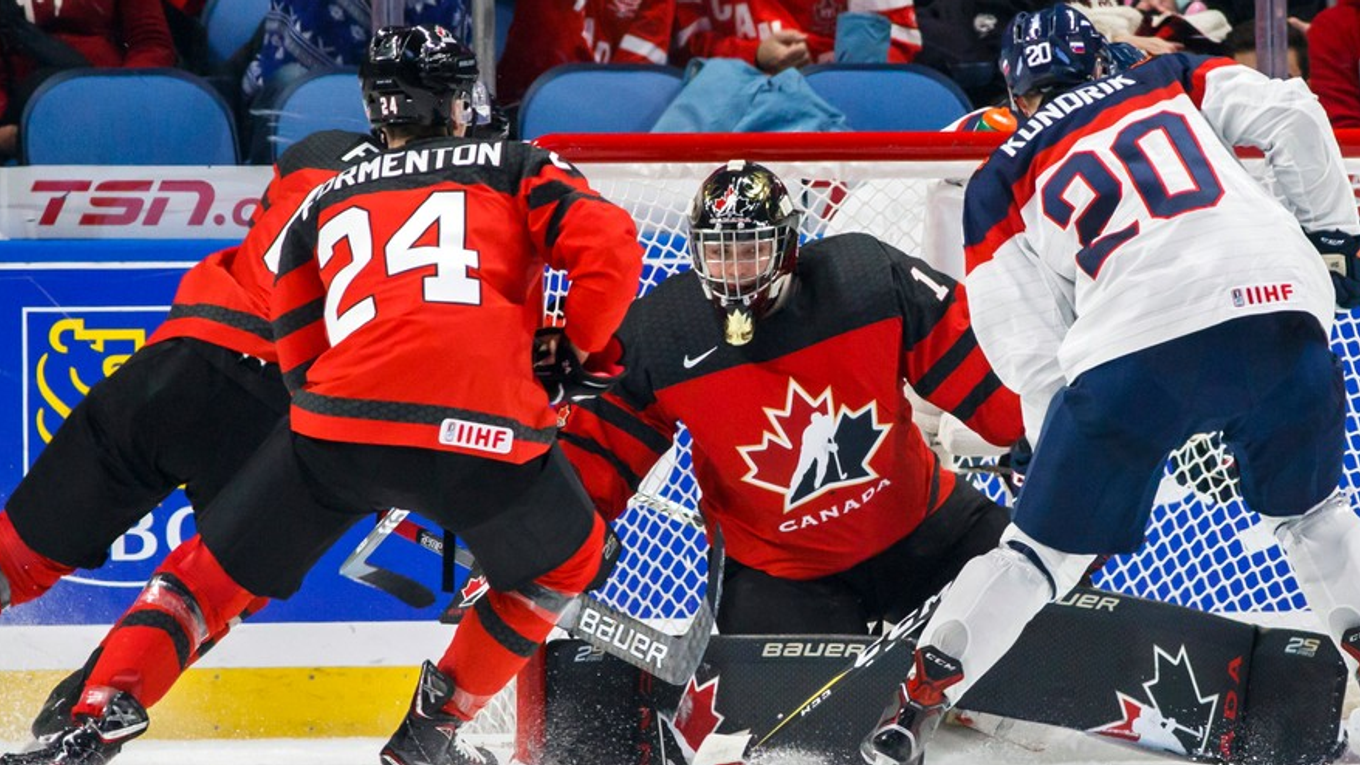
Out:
{"x": 411, "y": 162}
{"x": 1061, "y": 106}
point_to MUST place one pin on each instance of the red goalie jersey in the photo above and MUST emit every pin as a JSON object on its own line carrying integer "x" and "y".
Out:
{"x": 728, "y": 29}
{"x": 411, "y": 284}
{"x": 803, "y": 443}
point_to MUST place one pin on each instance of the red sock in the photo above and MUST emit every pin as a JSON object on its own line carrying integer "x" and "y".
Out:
{"x": 28, "y": 573}
{"x": 497, "y": 637}
{"x": 160, "y": 634}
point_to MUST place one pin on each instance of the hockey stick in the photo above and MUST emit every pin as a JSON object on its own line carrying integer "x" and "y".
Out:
{"x": 903, "y": 634}
{"x": 399, "y": 586}
{"x": 672, "y": 658}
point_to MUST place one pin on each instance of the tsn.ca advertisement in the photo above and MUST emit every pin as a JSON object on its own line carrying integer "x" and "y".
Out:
{"x": 77, "y": 202}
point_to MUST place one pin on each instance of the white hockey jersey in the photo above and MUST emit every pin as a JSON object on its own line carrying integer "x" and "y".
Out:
{"x": 1118, "y": 217}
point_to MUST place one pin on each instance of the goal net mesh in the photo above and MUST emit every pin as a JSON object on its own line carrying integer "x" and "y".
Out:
{"x": 1204, "y": 548}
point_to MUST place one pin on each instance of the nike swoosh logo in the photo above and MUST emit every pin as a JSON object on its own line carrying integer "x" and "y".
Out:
{"x": 691, "y": 363}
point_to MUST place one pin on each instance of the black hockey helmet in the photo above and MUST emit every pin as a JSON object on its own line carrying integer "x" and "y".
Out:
{"x": 743, "y": 239}
{"x": 413, "y": 76}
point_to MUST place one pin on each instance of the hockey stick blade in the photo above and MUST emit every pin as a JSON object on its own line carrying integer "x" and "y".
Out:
{"x": 399, "y": 586}
{"x": 671, "y": 658}
{"x": 904, "y": 633}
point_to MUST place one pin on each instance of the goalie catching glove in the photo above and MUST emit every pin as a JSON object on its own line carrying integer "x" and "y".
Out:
{"x": 567, "y": 377}
{"x": 1338, "y": 250}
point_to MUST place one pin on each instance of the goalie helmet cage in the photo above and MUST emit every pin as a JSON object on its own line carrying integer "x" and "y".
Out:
{"x": 1204, "y": 549}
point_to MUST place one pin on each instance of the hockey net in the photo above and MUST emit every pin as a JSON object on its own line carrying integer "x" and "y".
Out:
{"x": 1204, "y": 549}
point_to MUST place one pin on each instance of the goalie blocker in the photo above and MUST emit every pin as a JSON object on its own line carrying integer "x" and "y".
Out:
{"x": 1141, "y": 672}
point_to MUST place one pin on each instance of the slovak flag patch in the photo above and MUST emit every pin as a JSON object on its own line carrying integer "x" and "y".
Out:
{"x": 1078, "y": 47}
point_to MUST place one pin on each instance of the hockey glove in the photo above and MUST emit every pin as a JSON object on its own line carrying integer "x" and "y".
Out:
{"x": 566, "y": 378}
{"x": 1338, "y": 250}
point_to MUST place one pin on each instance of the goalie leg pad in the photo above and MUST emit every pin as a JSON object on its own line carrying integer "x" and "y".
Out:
{"x": 994, "y": 597}
{"x": 1323, "y": 546}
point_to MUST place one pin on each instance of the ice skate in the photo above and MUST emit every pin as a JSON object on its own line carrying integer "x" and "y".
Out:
{"x": 901, "y": 735}
{"x": 428, "y": 735}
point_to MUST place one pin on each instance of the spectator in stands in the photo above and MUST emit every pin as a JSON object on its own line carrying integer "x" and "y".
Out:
{"x": 1334, "y": 49}
{"x": 547, "y": 33}
{"x": 774, "y": 35}
{"x": 41, "y": 37}
{"x": 1241, "y": 45}
{"x": 962, "y": 39}
{"x": 302, "y": 35}
{"x": 1158, "y": 26}
{"x": 1238, "y": 11}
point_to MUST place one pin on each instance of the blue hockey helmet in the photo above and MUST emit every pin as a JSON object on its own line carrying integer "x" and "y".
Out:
{"x": 1050, "y": 50}
{"x": 1119, "y": 57}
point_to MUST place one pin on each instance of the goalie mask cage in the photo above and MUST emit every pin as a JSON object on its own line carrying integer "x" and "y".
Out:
{"x": 1203, "y": 550}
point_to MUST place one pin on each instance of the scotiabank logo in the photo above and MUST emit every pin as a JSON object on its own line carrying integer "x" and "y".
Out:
{"x": 143, "y": 203}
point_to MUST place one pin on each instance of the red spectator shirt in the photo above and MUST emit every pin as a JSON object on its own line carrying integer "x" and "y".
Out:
{"x": 803, "y": 444}
{"x": 1334, "y": 62}
{"x": 109, "y": 33}
{"x": 723, "y": 28}
{"x": 548, "y": 33}
{"x": 224, "y": 299}
{"x": 410, "y": 287}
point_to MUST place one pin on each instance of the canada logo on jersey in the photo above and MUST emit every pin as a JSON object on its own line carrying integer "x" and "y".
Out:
{"x": 814, "y": 445}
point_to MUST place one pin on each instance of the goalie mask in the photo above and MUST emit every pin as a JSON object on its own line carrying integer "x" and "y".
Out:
{"x": 416, "y": 75}
{"x": 743, "y": 239}
{"x": 1050, "y": 51}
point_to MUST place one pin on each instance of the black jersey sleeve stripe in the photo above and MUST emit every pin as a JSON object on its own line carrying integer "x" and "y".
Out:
{"x": 563, "y": 205}
{"x": 549, "y": 193}
{"x": 241, "y": 320}
{"x": 160, "y": 620}
{"x": 947, "y": 364}
{"x": 591, "y": 446}
{"x": 295, "y": 377}
{"x": 501, "y": 632}
{"x": 615, "y": 416}
{"x": 298, "y": 318}
{"x": 977, "y": 396}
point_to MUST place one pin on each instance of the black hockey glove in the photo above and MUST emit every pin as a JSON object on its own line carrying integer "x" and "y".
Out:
{"x": 567, "y": 379}
{"x": 1338, "y": 250}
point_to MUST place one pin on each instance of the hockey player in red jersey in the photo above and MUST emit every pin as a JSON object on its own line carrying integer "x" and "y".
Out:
{"x": 774, "y": 35}
{"x": 1136, "y": 287}
{"x": 186, "y": 409}
{"x": 787, "y": 365}
{"x": 409, "y": 290}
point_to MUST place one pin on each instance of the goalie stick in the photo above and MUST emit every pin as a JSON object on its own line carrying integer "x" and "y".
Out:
{"x": 902, "y": 635}
{"x": 672, "y": 658}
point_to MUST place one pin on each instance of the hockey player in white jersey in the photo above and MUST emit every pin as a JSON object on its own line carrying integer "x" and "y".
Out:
{"x": 1134, "y": 284}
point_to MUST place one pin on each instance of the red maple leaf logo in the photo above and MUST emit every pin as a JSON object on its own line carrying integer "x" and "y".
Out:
{"x": 697, "y": 716}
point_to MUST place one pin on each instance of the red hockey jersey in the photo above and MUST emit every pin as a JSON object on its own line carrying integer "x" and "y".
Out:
{"x": 803, "y": 443}
{"x": 224, "y": 299}
{"x": 724, "y": 28}
{"x": 411, "y": 284}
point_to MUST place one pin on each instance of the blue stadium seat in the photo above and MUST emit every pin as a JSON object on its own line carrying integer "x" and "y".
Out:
{"x": 597, "y": 98}
{"x": 230, "y": 24}
{"x": 889, "y": 97}
{"x": 127, "y": 117}
{"x": 320, "y": 100}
